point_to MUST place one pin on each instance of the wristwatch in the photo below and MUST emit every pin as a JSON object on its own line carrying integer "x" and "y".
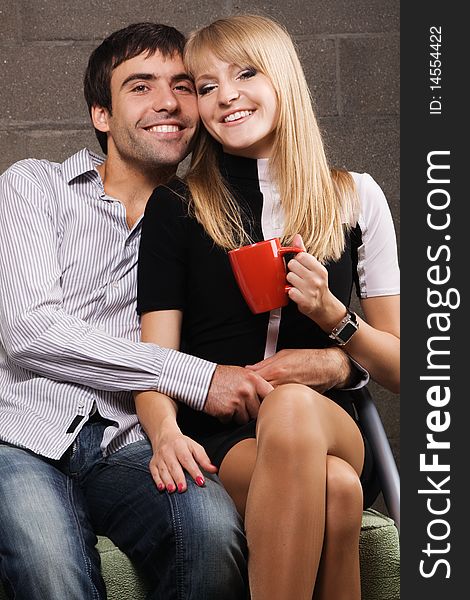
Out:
{"x": 345, "y": 329}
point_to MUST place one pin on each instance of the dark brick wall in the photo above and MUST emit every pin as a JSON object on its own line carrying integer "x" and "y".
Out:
{"x": 349, "y": 48}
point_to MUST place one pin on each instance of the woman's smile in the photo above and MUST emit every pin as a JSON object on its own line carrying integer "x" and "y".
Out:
{"x": 231, "y": 96}
{"x": 237, "y": 117}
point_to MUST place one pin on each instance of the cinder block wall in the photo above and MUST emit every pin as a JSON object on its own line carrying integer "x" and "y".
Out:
{"x": 349, "y": 49}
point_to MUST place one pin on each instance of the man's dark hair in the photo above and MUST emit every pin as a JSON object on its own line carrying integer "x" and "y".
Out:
{"x": 120, "y": 46}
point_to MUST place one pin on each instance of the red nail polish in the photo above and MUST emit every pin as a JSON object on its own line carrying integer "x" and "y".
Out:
{"x": 180, "y": 487}
{"x": 170, "y": 487}
{"x": 200, "y": 481}
{"x": 160, "y": 487}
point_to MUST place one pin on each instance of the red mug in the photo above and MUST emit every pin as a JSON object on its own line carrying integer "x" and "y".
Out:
{"x": 260, "y": 272}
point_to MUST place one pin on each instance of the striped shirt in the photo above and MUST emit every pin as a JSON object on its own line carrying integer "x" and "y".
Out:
{"x": 69, "y": 330}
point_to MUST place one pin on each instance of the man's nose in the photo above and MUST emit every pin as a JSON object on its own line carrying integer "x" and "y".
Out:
{"x": 165, "y": 99}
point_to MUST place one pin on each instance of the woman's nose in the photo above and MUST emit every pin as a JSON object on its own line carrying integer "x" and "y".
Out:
{"x": 228, "y": 93}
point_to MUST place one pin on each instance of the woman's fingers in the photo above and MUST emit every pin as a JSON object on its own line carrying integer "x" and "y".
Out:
{"x": 201, "y": 457}
{"x": 175, "y": 470}
{"x": 165, "y": 476}
{"x": 169, "y": 463}
{"x": 192, "y": 458}
{"x": 307, "y": 265}
{"x": 309, "y": 279}
{"x": 298, "y": 241}
{"x": 154, "y": 471}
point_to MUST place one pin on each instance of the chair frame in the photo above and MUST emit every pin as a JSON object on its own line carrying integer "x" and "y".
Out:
{"x": 387, "y": 471}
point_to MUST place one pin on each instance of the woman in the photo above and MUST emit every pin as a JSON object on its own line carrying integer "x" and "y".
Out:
{"x": 259, "y": 171}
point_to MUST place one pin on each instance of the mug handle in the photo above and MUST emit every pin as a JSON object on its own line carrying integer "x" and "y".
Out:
{"x": 291, "y": 249}
{"x": 287, "y": 250}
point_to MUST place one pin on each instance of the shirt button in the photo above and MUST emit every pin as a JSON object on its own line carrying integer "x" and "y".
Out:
{"x": 81, "y": 404}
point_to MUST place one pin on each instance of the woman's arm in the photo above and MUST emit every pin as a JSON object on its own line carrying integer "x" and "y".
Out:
{"x": 376, "y": 343}
{"x": 152, "y": 407}
{"x": 375, "y": 346}
{"x": 172, "y": 451}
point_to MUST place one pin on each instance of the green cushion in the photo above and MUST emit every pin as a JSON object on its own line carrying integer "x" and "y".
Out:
{"x": 379, "y": 552}
{"x": 122, "y": 580}
{"x": 379, "y": 549}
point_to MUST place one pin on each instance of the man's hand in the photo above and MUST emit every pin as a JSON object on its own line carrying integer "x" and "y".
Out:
{"x": 321, "y": 370}
{"x": 236, "y": 393}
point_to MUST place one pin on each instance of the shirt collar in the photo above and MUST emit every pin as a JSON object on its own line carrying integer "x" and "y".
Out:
{"x": 263, "y": 171}
{"x": 238, "y": 167}
{"x": 80, "y": 163}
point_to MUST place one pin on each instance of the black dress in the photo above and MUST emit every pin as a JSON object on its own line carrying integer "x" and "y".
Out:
{"x": 181, "y": 268}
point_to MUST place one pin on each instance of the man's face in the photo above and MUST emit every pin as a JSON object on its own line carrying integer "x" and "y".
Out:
{"x": 154, "y": 111}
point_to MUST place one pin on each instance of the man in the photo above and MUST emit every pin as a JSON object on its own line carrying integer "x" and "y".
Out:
{"x": 73, "y": 458}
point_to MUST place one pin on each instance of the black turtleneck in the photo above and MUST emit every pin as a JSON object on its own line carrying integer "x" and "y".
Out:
{"x": 181, "y": 268}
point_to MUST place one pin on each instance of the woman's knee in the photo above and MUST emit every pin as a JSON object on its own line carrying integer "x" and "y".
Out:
{"x": 289, "y": 420}
{"x": 344, "y": 498}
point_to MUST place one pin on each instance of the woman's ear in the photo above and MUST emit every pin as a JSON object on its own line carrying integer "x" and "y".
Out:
{"x": 99, "y": 116}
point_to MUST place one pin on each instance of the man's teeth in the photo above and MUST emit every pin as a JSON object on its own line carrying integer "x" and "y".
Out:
{"x": 164, "y": 128}
{"x": 238, "y": 115}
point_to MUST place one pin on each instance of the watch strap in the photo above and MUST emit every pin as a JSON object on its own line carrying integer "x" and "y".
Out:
{"x": 345, "y": 329}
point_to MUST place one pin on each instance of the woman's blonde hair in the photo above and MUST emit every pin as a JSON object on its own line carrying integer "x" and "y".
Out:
{"x": 317, "y": 202}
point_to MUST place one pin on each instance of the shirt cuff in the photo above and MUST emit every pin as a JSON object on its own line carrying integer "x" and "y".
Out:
{"x": 360, "y": 376}
{"x": 186, "y": 378}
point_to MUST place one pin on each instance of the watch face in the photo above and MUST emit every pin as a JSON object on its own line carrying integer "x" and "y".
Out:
{"x": 347, "y": 331}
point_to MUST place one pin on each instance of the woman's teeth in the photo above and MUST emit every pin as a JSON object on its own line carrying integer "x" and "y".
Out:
{"x": 238, "y": 115}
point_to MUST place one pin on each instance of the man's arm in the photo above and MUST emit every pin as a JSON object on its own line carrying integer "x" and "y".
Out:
{"x": 38, "y": 335}
{"x": 234, "y": 392}
{"x": 321, "y": 369}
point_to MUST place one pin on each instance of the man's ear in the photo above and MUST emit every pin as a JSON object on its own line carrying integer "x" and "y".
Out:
{"x": 99, "y": 116}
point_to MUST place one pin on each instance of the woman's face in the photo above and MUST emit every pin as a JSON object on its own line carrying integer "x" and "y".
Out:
{"x": 238, "y": 106}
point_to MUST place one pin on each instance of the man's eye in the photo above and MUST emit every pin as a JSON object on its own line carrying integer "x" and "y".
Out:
{"x": 187, "y": 89}
{"x": 205, "y": 89}
{"x": 140, "y": 88}
{"x": 248, "y": 73}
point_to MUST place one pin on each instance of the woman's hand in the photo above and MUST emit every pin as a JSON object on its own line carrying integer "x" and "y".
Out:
{"x": 173, "y": 452}
{"x": 310, "y": 290}
{"x": 375, "y": 345}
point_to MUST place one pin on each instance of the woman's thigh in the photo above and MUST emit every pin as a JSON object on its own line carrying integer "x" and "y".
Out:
{"x": 288, "y": 416}
{"x": 236, "y": 471}
{"x": 298, "y": 419}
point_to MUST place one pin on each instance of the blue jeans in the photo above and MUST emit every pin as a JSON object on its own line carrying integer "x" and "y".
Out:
{"x": 188, "y": 545}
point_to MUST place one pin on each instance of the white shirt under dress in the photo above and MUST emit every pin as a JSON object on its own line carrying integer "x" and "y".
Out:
{"x": 377, "y": 262}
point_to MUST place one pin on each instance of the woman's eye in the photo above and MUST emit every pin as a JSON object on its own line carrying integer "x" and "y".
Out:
{"x": 247, "y": 73}
{"x": 205, "y": 89}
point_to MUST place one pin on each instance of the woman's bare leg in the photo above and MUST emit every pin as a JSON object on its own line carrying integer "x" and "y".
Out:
{"x": 285, "y": 507}
{"x": 339, "y": 574}
{"x": 236, "y": 471}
